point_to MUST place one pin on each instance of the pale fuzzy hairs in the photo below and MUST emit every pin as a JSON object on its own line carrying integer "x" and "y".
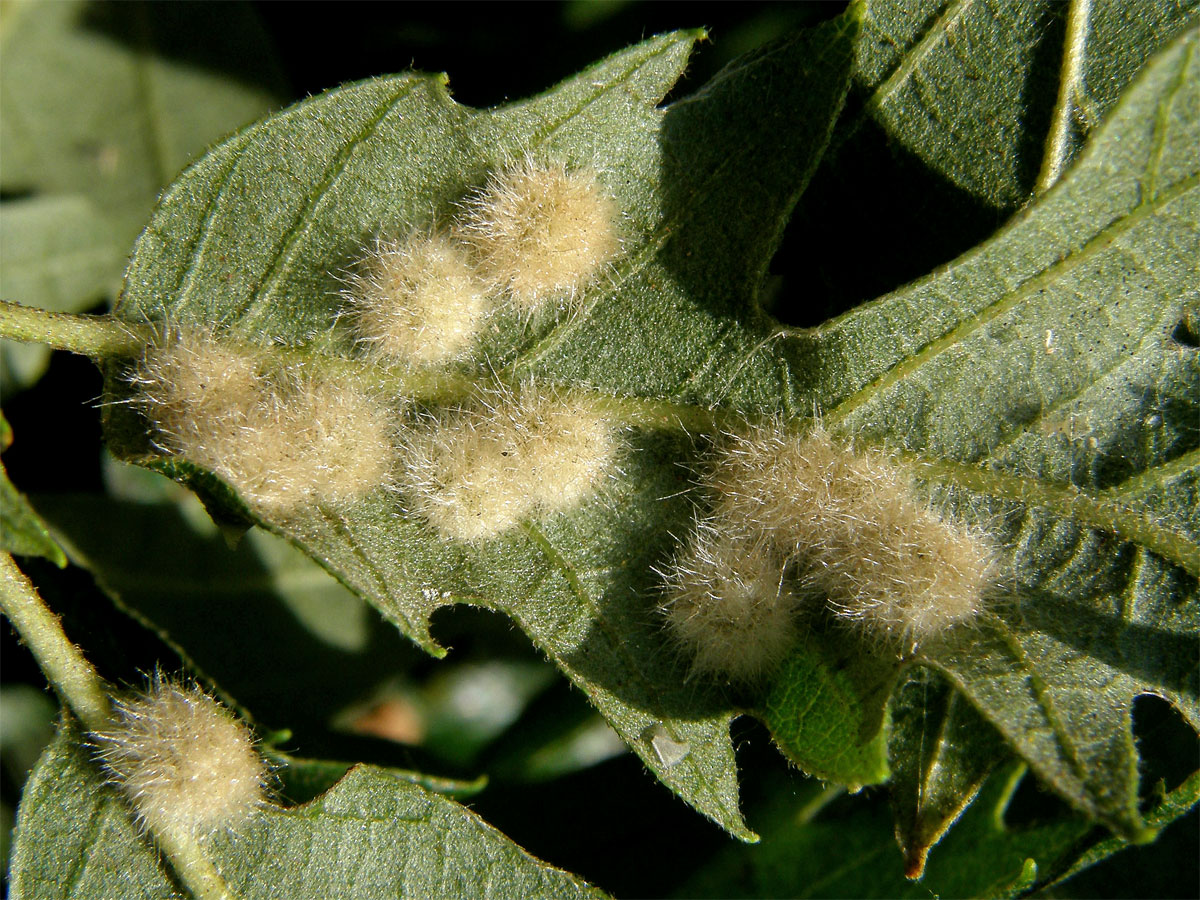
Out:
{"x": 281, "y": 439}
{"x": 727, "y": 603}
{"x": 185, "y": 762}
{"x": 476, "y": 471}
{"x": 856, "y": 531}
{"x": 417, "y": 299}
{"x": 541, "y": 232}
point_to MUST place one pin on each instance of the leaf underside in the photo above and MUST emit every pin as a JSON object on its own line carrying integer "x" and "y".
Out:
{"x": 1037, "y": 375}
{"x": 374, "y": 834}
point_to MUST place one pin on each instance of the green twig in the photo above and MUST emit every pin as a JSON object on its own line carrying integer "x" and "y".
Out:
{"x": 98, "y": 337}
{"x": 84, "y": 691}
{"x": 64, "y": 665}
{"x": 101, "y": 337}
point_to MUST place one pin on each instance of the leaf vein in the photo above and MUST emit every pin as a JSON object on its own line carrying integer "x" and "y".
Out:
{"x": 917, "y": 52}
{"x": 1161, "y": 123}
{"x": 1070, "y": 502}
{"x": 289, "y": 238}
{"x": 1099, "y": 242}
{"x": 199, "y": 239}
{"x": 556, "y": 559}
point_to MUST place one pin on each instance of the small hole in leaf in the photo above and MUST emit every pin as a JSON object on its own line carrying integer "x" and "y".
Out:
{"x": 1167, "y": 748}
{"x": 1032, "y": 804}
{"x": 1185, "y": 332}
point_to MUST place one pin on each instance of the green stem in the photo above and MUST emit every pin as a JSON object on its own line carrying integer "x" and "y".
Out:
{"x": 1058, "y": 141}
{"x": 193, "y": 866}
{"x": 84, "y": 691}
{"x": 101, "y": 337}
{"x": 64, "y": 665}
{"x": 98, "y": 337}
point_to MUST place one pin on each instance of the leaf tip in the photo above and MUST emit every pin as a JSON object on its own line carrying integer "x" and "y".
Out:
{"x": 914, "y": 863}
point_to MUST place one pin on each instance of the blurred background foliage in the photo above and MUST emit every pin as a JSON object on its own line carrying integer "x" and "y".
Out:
{"x": 153, "y": 583}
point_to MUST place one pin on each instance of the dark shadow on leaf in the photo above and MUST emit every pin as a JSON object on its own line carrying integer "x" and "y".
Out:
{"x": 1187, "y": 332}
{"x": 123, "y": 648}
{"x": 1039, "y": 96}
{"x": 1168, "y": 748}
{"x": 238, "y": 630}
{"x": 904, "y": 221}
{"x": 534, "y": 45}
{"x": 1159, "y": 658}
{"x": 1033, "y": 805}
{"x": 628, "y": 649}
{"x": 733, "y": 169}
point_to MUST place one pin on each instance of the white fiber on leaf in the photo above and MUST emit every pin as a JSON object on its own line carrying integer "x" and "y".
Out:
{"x": 477, "y": 471}
{"x": 186, "y": 763}
{"x": 855, "y": 530}
{"x": 418, "y": 300}
{"x": 281, "y": 439}
{"x": 727, "y": 604}
{"x": 541, "y": 232}
{"x": 803, "y": 516}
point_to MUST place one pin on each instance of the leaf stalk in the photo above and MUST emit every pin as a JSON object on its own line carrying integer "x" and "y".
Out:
{"x": 62, "y": 662}
{"x": 85, "y": 692}
{"x": 97, "y": 337}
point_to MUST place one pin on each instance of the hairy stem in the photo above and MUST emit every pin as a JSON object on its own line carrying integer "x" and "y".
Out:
{"x": 98, "y": 337}
{"x": 84, "y": 691}
{"x": 193, "y": 866}
{"x": 1058, "y": 141}
{"x": 102, "y": 337}
{"x": 63, "y": 664}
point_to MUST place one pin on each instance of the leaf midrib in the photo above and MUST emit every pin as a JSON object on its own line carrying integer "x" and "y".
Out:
{"x": 1070, "y": 502}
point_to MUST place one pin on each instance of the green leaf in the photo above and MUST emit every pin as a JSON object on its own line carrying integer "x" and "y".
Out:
{"x": 372, "y": 835}
{"x": 1178, "y": 802}
{"x": 1057, "y": 397}
{"x": 557, "y": 735}
{"x": 952, "y": 108}
{"x": 971, "y": 88}
{"x": 1038, "y": 378}
{"x": 170, "y": 564}
{"x": 941, "y": 752}
{"x": 255, "y": 245}
{"x": 28, "y": 714}
{"x": 109, "y": 102}
{"x": 301, "y": 780}
{"x": 21, "y": 529}
{"x": 826, "y": 710}
{"x": 816, "y": 845}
